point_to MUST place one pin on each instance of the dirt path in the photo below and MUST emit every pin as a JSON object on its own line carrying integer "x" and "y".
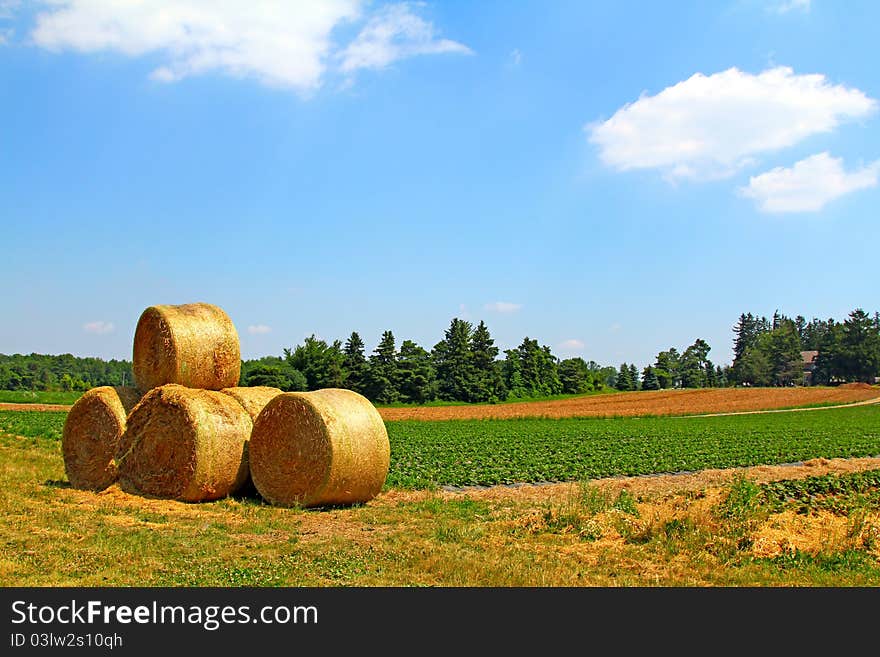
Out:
{"x": 705, "y": 402}
{"x": 652, "y": 402}
{"x": 866, "y": 402}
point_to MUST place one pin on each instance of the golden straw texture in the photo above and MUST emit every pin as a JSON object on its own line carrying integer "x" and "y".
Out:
{"x": 195, "y": 345}
{"x": 319, "y": 448}
{"x": 185, "y": 444}
{"x": 91, "y": 435}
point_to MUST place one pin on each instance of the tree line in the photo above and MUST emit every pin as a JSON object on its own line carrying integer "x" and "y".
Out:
{"x": 768, "y": 352}
{"x": 64, "y": 372}
{"x": 467, "y": 366}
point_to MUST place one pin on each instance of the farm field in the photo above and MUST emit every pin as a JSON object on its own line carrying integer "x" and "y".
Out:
{"x": 720, "y": 525}
{"x": 611, "y": 404}
{"x": 650, "y": 402}
{"x": 714, "y": 528}
{"x": 488, "y": 452}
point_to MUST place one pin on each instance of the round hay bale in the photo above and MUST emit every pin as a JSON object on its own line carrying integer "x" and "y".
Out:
{"x": 91, "y": 435}
{"x": 253, "y": 399}
{"x": 195, "y": 345}
{"x": 185, "y": 444}
{"x": 319, "y": 448}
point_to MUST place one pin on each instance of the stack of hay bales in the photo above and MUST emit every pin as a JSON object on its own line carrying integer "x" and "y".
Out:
{"x": 186, "y": 432}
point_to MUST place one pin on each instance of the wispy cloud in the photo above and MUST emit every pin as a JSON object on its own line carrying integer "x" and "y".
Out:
{"x": 710, "y": 127}
{"x": 808, "y": 185}
{"x": 277, "y": 42}
{"x": 99, "y": 327}
{"x": 503, "y": 307}
{"x": 785, "y": 6}
{"x": 395, "y": 32}
{"x": 259, "y": 329}
{"x": 515, "y": 56}
{"x": 572, "y": 344}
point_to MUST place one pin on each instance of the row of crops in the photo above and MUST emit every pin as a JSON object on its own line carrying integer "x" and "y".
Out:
{"x": 486, "y": 452}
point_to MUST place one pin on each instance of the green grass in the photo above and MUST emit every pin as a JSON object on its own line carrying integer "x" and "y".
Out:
{"x": 486, "y": 452}
{"x": 38, "y": 397}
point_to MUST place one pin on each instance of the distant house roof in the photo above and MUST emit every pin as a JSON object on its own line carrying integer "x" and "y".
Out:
{"x": 808, "y": 357}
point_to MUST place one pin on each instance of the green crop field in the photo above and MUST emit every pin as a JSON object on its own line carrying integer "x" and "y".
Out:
{"x": 486, "y": 452}
{"x": 33, "y": 424}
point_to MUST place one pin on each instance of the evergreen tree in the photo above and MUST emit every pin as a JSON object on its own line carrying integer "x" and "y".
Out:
{"x": 415, "y": 374}
{"x": 649, "y": 379}
{"x": 783, "y": 351}
{"x": 382, "y": 381}
{"x": 575, "y": 376}
{"x": 276, "y": 376}
{"x": 355, "y": 364}
{"x": 319, "y": 362}
{"x": 633, "y": 377}
{"x": 531, "y": 370}
{"x": 667, "y": 368}
{"x": 624, "y": 380}
{"x": 488, "y": 381}
{"x": 860, "y": 347}
{"x": 454, "y": 363}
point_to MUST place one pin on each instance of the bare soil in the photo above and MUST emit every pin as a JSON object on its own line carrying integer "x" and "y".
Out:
{"x": 653, "y": 402}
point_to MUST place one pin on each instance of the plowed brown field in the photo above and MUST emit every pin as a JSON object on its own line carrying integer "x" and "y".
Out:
{"x": 659, "y": 402}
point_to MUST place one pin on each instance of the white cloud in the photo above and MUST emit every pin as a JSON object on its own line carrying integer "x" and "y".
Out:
{"x": 503, "y": 307}
{"x": 259, "y": 329}
{"x": 280, "y": 43}
{"x": 708, "y": 127}
{"x": 515, "y": 56}
{"x": 5, "y": 36}
{"x": 786, "y": 6}
{"x": 394, "y": 33}
{"x": 98, "y": 327}
{"x": 808, "y": 185}
{"x": 572, "y": 344}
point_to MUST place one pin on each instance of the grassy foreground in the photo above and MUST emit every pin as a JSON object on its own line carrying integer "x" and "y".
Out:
{"x": 821, "y": 532}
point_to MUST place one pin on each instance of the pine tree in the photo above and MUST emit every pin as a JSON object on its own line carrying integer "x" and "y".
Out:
{"x": 453, "y": 362}
{"x": 649, "y": 379}
{"x": 575, "y": 376}
{"x": 624, "y": 381}
{"x": 355, "y": 364}
{"x": 382, "y": 386}
{"x": 488, "y": 382}
{"x": 415, "y": 374}
{"x": 633, "y": 377}
{"x": 319, "y": 362}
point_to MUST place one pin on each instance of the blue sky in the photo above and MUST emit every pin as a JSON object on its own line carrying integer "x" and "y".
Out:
{"x": 610, "y": 178}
